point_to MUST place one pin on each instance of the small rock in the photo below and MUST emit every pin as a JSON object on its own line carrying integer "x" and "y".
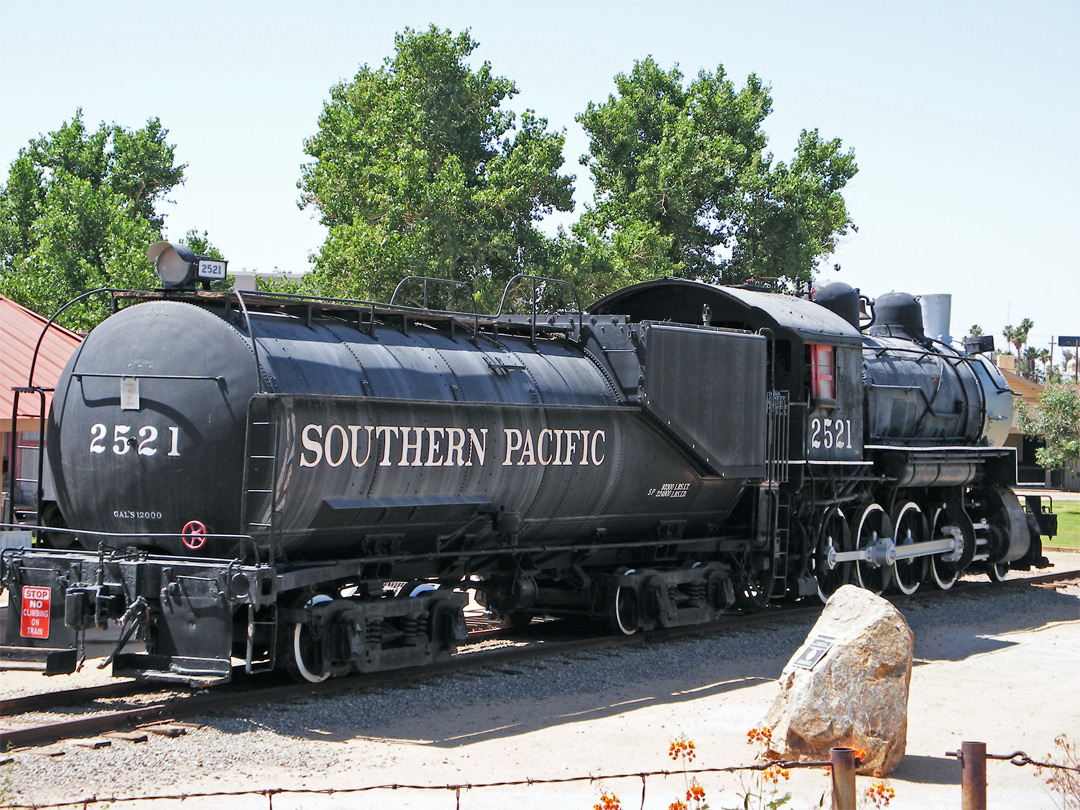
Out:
{"x": 92, "y": 742}
{"x": 169, "y": 730}
{"x": 127, "y": 736}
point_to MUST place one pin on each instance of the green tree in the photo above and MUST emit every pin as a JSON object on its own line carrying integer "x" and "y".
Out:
{"x": 79, "y": 210}
{"x": 1018, "y": 335}
{"x": 418, "y": 170}
{"x": 1032, "y": 359}
{"x": 1056, "y": 420}
{"x": 684, "y": 186}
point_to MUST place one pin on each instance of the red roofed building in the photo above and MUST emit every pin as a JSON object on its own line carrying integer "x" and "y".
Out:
{"x": 20, "y": 331}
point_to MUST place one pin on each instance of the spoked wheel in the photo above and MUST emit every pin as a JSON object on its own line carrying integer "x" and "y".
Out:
{"x": 943, "y": 573}
{"x": 302, "y": 658}
{"x": 873, "y": 522}
{"x": 833, "y": 536}
{"x": 624, "y": 615}
{"x": 910, "y": 526}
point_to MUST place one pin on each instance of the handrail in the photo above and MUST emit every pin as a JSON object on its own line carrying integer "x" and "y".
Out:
{"x": 251, "y": 334}
{"x": 45, "y": 330}
{"x": 436, "y": 280}
{"x": 30, "y": 388}
{"x": 37, "y": 528}
{"x": 534, "y": 280}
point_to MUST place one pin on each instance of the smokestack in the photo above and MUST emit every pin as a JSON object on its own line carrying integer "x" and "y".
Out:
{"x": 936, "y": 315}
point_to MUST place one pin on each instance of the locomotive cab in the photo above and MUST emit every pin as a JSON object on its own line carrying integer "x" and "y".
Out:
{"x": 813, "y": 358}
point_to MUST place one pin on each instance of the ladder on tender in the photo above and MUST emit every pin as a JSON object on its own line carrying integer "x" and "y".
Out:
{"x": 777, "y": 463}
{"x": 258, "y": 509}
{"x": 259, "y": 498}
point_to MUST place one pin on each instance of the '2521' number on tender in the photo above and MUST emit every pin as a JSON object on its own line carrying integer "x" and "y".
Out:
{"x": 143, "y": 440}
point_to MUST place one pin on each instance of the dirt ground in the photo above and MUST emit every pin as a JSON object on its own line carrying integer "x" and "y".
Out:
{"x": 1005, "y": 678}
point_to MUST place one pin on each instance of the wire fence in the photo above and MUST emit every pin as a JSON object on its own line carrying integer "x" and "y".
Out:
{"x": 1070, "y": 773}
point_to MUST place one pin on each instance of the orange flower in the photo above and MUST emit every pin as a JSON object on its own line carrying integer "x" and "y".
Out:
{"x": 677, "y": 805}
{"x": 696, "y": 793}
{"x": 682, "y": 748}
{"x": 762, "y": 735}
{"x": 880, "y": 794}
{"x": 608, "y": 802}
{"x": 774, "y": 772}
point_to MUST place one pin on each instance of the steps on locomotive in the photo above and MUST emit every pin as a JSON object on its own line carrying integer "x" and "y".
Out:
{"x": 48, "y": 660}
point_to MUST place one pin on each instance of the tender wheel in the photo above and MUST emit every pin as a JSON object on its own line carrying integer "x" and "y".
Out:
{"x": 51, "y": 518}
{"x": 411, "y": 589}
{"x": 911, "y": 528}
{"x": 997, "y": 572}
{"x": 943, "y": 573}
{"x": 301, "y": 654}
{"x": 624, "y": 614}
{"x": 873, "y": 522}
{"x": 833, "y": 535}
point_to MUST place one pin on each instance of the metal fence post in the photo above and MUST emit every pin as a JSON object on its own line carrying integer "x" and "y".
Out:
{"x": 843, "y": 778}
{"x": 973, "y": 777}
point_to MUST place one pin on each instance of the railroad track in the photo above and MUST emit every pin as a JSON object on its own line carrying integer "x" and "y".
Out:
{"x": 535, "y": 643}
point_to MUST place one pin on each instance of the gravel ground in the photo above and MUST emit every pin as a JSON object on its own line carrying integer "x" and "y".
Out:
{"x": 999, "y": 668}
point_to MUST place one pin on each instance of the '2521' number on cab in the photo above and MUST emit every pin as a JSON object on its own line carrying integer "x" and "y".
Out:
{"x": 830, "y": 433}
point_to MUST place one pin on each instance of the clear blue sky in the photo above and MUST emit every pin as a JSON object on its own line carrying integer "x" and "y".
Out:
{"x": 964, "y": 116}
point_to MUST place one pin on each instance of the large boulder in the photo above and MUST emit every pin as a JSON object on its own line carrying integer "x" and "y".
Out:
{"x": 855, "y": 695}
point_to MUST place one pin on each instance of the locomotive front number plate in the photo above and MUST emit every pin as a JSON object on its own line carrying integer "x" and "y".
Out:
{"x": 35, "y": 612}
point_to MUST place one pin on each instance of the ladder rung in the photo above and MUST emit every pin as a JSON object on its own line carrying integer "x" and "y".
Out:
{"x": 264, "y": 458}
{"x": 259, "y": 491}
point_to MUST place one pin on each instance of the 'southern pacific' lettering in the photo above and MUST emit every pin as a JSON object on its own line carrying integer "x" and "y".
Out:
{"x": 554, "y": 448}
{"x": 411, "y": 446}
{"x": 392, "y": 445}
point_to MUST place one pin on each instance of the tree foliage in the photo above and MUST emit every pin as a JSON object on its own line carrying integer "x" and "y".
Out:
{"x": 1056, "y": 420}
{"x": 1028, "y": 358}
{"x": 1018, "y": 335}
{"x": 684, "y": 186}
{"x": 418, "y": 170}
{"x": 79, "y": 210}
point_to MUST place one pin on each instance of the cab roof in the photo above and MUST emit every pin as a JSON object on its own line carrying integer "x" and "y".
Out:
{"x": 683, "y": 301}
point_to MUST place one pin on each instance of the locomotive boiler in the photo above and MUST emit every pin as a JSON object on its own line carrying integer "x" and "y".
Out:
{"x": 274, "y": 480}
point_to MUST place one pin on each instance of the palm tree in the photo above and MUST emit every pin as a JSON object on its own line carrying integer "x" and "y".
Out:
{"x": 1018, "y": 337}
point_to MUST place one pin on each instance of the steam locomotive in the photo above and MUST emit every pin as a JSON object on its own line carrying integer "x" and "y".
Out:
{"x": 316, "y": 484}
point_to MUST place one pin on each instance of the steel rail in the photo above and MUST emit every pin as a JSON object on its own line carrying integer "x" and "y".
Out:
{"x": 201, "y": 703}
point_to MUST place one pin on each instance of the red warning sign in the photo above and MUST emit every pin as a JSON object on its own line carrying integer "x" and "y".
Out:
{"x": 35, "y": 612}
